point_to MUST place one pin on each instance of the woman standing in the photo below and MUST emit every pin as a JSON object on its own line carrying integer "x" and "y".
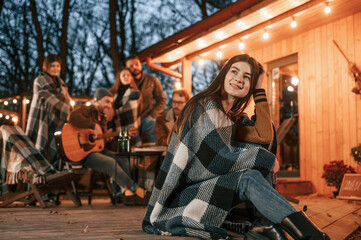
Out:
{"x": 127, "y": 102}
{"x": 49, "y": 108}
{"x": 206, "y": 172}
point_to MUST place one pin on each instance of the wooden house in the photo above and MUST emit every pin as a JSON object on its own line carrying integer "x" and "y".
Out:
{"x": 308, "y": 83}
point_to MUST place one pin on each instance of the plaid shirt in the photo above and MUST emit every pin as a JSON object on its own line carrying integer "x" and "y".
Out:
{"x": 127, "y": 114}
{"x": 49, "y": 109}
{"x": 15, "y": 146}
{"x": 197, "y": 184}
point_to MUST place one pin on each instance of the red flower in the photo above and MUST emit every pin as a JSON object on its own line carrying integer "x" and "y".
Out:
{"x": 334, "y": 171}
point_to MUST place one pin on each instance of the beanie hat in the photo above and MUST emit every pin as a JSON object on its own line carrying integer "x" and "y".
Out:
{"x": 100, "y": 93}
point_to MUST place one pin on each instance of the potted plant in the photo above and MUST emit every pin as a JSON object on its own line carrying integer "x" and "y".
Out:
{"x": 333, "y": 173}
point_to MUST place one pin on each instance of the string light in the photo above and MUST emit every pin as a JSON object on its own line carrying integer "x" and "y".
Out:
{"x": 27, "y": 101}
{"x": 6, "y": 103}
{"x": 1, "y": 115}
{"x": 72, "y": 102}
{"x": 15, "y": 119}
{"x": 327, "y": 8}
{"x": 87, "y": 103}
{"x": 201, "y": 62}
{"x": 265, "y": 35}
{"x": 241, "y": 45}
{"x": 293, "y": 23}
{"x": 178, "y": 84}
{"x": 219, "y": 54}
{"x": 7, "y": 117}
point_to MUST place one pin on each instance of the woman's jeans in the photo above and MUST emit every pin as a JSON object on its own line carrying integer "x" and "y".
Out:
{"x": 253, "y": 186}
{"x": 115, "y": 166}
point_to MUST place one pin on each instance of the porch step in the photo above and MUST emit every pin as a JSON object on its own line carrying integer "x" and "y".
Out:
{"x": 294, "y": 187}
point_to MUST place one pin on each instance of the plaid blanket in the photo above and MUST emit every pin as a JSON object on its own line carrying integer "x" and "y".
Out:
{"x": 197, "y": 184}
{"x": 15, "y": 146}
{"x": 49, "y": 109}
{"x": 127, "y": 114}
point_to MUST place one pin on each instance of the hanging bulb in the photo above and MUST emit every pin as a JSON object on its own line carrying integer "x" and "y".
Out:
{"x": 293, "y": 23}
{"x": 265, "y": 35}
{"x": 201, "y": 62}
{"x": 15, "y": 101}
{"x": 6, "y": 103}
{"x": 327, "y": 8}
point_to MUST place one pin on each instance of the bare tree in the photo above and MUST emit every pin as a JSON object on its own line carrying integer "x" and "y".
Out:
{"x": 114, "y": 50}
{"x": 63, "y": 38}
{"x": 39, "y": 37}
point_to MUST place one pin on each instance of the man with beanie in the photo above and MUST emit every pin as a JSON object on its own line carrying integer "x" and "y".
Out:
{"x": 153, "y": 98}
{"x": 106, "y": 161}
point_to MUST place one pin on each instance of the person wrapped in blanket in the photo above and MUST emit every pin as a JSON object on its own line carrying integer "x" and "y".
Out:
{"x": 50, "y": 108}
{"x": 206, "y": 172}
{"x": 127, "y": 104}
{"x": 106, "y": 161}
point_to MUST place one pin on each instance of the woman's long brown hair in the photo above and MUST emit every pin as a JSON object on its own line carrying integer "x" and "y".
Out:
{"x": 215, "y": 91}
{"x": 117, "y": 83}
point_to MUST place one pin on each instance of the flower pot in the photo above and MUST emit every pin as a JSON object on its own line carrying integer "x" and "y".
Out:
{"x": 335, "y": 193}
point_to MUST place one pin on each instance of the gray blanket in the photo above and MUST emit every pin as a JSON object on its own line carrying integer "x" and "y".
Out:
{"x": 197, "y": 184}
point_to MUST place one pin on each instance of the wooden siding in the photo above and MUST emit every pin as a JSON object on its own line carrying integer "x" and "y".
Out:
{"x": 329, "y": 115}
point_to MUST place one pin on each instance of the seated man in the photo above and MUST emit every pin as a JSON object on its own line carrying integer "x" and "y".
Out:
{"x": 165, "y": 122}
{"x": 108, "y": 162}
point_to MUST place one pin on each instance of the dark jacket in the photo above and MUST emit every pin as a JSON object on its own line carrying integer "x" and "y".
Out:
{"x": 153, "y": 96}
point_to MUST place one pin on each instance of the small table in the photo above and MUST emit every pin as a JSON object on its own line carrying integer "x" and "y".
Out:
{"x": 139, "y": 165}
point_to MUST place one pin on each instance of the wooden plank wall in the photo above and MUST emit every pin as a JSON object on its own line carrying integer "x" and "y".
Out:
{"x": 329, "y": 113}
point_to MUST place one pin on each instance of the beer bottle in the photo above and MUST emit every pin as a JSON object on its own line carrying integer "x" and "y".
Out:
{"x": 126, "y": 140}
{"x": 120, "y": 141}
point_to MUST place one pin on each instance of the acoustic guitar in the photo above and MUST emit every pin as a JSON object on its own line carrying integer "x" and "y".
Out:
{"x": 75, "y": 143}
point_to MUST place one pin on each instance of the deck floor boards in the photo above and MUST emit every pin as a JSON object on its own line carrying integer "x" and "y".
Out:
{"x": 338, "y": 218}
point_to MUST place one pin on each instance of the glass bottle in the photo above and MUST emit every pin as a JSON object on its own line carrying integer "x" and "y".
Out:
{"x": 120, "y": 141}
{"x": 126, "y": 140}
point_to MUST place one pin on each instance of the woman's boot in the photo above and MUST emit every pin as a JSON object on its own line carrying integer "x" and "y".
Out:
{"x": 262, "y": 228}
{"x": 299, "y": 226}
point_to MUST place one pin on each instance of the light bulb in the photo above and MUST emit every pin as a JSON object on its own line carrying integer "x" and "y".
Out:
{"x": 178, "y": 85}
{"x": 241, "y": 45}
{"x": 6, "y": 103}
{"x": 219, "y": 54}
{"x": 265, "y": 35}
{"x": 15, "y": 101}
{"x": 201, "y": 62}
{"x": 327, "y": 8}
{"x": 293, "y": 23}
{"x": 72, "y": 102}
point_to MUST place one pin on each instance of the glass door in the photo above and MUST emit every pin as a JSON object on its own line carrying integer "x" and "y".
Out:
{"x": 283, "y": 86}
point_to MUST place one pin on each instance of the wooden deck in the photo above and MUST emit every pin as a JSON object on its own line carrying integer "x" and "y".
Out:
{"x": 338, "y": 218}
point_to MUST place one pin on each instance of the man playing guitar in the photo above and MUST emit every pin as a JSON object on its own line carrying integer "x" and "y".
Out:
{"x": 117, "y": 167}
